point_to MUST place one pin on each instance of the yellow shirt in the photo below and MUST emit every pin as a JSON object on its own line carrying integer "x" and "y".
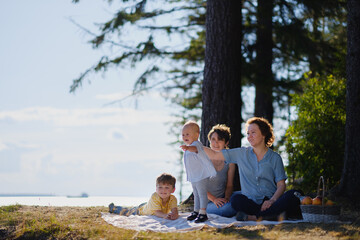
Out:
{"x": 155, "y": 203}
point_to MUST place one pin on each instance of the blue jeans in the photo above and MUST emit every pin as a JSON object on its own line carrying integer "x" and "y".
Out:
{"x": 125, "y": 211}
{"x": 288, "y": 203}
{"x": 226, "y": 210}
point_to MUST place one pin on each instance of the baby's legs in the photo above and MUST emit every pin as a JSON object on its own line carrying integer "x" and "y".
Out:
{"x": 196, "y": 198}
{"x": 200, "y": 195}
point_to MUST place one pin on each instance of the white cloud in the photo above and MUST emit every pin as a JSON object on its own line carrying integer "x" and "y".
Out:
{"x": 86, "y": 117}
{"x": 3, "y": 146}
{"x": 10, "y": 156}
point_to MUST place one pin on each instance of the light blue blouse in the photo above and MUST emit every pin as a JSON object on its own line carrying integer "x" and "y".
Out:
{"x": 257, "y": 179}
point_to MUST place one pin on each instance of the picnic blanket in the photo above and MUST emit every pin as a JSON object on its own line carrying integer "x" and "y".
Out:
{"x": 156, "y": 224}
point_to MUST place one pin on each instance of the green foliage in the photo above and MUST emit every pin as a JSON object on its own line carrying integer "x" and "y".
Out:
{"x": 45, "y": 228}
{"x": 315, "y": 140}
{"x": 7, "y": 215}
{"x": 307, "y": 35}
{"x": 10, "y": 208}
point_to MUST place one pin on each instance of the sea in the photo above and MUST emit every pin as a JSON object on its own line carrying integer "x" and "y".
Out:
{"x": 61, "y": 201}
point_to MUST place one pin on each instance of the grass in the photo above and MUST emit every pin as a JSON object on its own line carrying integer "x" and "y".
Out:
{"x": 34, "y": 222}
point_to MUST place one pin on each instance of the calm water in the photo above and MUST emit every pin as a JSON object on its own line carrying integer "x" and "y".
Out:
{"x": 65, "y": 201}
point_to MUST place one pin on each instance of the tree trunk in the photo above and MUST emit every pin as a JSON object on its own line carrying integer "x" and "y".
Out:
{"x": 350, "y": 181}
{"x": 221, "y": 96}
{"x": 264, "y": 81}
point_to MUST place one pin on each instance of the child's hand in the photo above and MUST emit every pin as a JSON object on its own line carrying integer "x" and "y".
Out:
{"x": 172, "y": 216}
{"x": 188, "y": 148}
{"x": 184, "y": 147}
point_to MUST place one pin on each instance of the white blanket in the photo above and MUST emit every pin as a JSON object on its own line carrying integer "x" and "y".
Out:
{"x": 156, "y": 224}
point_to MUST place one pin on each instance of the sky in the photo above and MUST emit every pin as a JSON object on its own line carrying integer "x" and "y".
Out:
{"x": 56, "y": 142}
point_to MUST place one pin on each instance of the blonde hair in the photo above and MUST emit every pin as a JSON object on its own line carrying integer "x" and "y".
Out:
{"x": 193, "y": 125}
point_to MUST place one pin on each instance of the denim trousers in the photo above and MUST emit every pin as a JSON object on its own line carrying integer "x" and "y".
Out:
{"x": 226, "y": 210}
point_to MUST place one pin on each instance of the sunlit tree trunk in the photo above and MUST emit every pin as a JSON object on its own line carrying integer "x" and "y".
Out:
{"x": 221, "y": 96}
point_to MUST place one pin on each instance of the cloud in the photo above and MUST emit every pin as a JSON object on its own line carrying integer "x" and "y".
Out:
{"x": 3, "y": 146}
{"x": 10, "y": 157}
{"x": 86, "y": 117}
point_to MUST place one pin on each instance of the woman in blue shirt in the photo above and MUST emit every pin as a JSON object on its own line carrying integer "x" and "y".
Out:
{"x": 262, "y": 176}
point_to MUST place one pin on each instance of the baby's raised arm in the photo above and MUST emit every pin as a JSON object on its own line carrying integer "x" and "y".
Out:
{"x": 212, "y": 154}
{"x": 189, "y": 148}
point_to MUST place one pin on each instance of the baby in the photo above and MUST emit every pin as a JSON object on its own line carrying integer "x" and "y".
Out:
{"x": 198, "y": 168}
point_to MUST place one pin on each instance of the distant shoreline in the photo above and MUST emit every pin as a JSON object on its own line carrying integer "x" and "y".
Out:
{"x": 52, "y": 200}
{"x": 26, "y": 195}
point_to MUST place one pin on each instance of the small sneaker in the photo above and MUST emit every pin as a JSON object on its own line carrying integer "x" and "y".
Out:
{"x": 192, "y": 216}
{"x": 201, "y": 218}
{"x": 241, "y": 216}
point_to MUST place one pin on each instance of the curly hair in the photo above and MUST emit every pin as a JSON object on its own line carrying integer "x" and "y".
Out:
{"x": 265, "y": 127}
{"x": 222, "y": 131}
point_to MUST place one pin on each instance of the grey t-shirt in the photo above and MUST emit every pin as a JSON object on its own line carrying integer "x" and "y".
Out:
{"x": 217, "y": 184}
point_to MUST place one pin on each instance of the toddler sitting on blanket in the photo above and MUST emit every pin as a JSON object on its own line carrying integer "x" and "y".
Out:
{"x": 161, "y": 204}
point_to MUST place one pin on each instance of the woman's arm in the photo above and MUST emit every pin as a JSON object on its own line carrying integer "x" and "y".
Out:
{"x": 211, "y": 197}
{"x": 230, "y": 181}
{"x": 212, "y": 154}
{"x": 281, "y": 186}
{"x": 219, "y": 202}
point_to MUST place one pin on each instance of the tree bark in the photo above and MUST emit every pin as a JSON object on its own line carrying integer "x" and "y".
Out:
{"x": 264, "y": 80}
{"x": 350, "y": 181}
{"x": 221, "y": 90}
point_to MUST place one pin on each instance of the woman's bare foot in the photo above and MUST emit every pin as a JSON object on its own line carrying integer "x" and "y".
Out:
{"x": 251, "y": 218}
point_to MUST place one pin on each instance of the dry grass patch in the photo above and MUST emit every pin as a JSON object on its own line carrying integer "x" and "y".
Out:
{"x": 34, "y": 222}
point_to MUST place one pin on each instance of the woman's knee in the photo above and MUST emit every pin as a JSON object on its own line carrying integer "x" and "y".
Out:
{"x": 290, "y": 196}
{"x": 237, "y": 197}
{"x": 237, "y": 201}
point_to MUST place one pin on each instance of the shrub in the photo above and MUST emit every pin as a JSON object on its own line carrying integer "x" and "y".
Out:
{"x": 315, "y": 140}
